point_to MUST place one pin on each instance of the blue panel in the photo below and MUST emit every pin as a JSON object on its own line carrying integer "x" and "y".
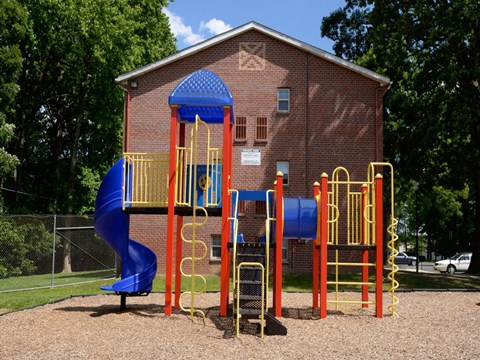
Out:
{"x": 204, "y": 94}
{"x": 300, "y": 218}
{"x": 215, "y": 174}
{"x": 252, "y": 195}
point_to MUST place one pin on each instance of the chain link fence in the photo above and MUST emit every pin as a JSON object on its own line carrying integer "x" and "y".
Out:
{"x": 39, "y": 251}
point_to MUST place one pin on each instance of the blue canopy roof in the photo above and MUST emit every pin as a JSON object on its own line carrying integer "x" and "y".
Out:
{"x": 204, "y": 94}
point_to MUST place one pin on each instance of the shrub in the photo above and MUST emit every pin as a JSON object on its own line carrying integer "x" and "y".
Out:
{"x": 24, "y": 247}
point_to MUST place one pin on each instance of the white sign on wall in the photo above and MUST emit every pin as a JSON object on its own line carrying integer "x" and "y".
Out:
{"x": 251, "y": 157}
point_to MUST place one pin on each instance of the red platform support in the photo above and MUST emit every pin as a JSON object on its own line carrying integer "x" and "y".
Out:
{"x": 171, "y": 211}
{"x": 226, "y": 205}
{"x": 323, "y": 245}
{"x": 315, "y": 252}
{"x": 379, "y": 246}
{"x": 277, "y": 263}
{"x": 178, "y": 253}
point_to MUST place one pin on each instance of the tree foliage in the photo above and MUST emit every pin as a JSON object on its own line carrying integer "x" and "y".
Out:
{"x": 431, "y": 52}
{"x": 13, "y": 27}
{"x": 69, "y": 109}
{"x": 26, "y": 246}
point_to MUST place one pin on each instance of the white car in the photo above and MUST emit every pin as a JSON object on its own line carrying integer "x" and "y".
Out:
{"x": 458, "y": 262}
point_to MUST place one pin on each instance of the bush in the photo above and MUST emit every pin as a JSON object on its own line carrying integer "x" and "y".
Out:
{"x": 23, "y": 247}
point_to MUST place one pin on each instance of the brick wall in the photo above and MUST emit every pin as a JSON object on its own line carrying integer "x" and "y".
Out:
{"x": 335, "y": 120}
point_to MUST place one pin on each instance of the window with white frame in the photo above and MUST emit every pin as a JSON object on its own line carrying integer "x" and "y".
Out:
{"x": 284, "y": 167}
{"x": 216, "y": 248}
{"x": 283, "y": 100}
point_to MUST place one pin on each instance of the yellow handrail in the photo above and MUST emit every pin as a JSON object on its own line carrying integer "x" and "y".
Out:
{"x": 235, "y": 234}
{"x": 267, "y": 242}
{"x": 391, "y": 232}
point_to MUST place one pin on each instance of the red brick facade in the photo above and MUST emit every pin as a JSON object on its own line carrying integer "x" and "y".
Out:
{"x": 335, "y": 119}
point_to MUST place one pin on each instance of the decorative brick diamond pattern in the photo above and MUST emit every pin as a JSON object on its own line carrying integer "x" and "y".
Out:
{"x": 252, "y": 56}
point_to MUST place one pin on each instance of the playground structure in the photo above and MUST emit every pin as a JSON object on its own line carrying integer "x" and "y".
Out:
{"x": 194, "y": 180}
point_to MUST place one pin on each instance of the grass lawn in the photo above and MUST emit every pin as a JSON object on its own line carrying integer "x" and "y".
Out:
{"x": 45, "y": 280}
{"x": 17, "y": 300}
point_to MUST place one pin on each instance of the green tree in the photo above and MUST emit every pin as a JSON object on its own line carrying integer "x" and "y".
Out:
{"x": 69, "y": 110}
{"x": 431, "y": 52}
{"x": 26, "y": 245}
{"x": 13, "y": 27}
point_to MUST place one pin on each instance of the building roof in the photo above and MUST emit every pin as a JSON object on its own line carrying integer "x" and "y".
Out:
{"x": 383, "y": 80}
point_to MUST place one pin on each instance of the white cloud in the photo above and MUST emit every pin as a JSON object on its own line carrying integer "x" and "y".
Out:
{"x": 182, "y": 31}
{"x": 187, "y": 36}
{"x": 215, "y": 26}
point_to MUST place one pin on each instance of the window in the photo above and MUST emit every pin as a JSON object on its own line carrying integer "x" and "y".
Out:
{"x": 241, "y": 128}
{"x": 261, "y": 129}
{"x": 285, "y": 250}
{"x": 283, "y": 100}
{"x": 260, "y": 208}
{"x": 242, "y": 207}
{"x": 216, "y": 248}
{"x": 283, "y": 166}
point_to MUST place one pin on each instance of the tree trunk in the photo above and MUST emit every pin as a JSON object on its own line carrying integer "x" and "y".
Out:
{"x": 67, "y": 253}
{"x": 67, "y": 260}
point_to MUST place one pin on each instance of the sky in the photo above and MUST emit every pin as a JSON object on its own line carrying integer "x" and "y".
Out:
{"x": 193, "y": 21}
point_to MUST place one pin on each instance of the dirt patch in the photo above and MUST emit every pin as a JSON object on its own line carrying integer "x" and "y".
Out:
{"x": 94, "y": 327}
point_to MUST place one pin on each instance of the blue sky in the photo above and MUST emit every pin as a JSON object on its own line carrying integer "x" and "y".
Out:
{"x": 193, "y": 21}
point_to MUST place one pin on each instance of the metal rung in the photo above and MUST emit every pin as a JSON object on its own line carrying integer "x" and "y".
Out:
{"x": 350, "y": 302}
{"x": 244, "y": 311}
{"x": 251, "y": 268}
{"x": 350, "y": 264}
{"x": 250, "y": 297}
{"x": 250, "y": 282}
{"x": 349, "y": 283}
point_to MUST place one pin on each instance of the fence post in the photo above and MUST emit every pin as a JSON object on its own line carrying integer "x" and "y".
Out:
{"x": 53, "y": 248}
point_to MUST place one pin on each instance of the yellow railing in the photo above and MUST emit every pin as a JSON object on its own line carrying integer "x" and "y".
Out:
{"x": 145, "y": 180}
{"x": 185, "y": 169}
{"x": 358, "y": 220}
{"x": 358, "y": 209}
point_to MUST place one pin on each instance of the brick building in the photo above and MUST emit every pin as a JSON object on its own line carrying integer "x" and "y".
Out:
{"x": 298, "y": 109}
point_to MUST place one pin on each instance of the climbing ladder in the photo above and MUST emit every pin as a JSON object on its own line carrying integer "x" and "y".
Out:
{"x": 249, "y": 287}
{"x": 250, "y": 275}
{"x": 188, "y": 266}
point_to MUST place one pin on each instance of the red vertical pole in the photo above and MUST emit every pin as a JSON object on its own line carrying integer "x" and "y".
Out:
{"x": 277, "y": 263}
{"x": 315, "y": 244}
{"x": 379, "y": 245}
{"x": 171, "y": 211}
{"x": 323, "y": 245}
{"x": 178, "y": 253}
{"x": 226, "y": 174}
{"x": 363, "y": 229}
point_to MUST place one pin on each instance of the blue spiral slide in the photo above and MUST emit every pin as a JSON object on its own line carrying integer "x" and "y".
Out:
{"x": 139, "y": 263}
